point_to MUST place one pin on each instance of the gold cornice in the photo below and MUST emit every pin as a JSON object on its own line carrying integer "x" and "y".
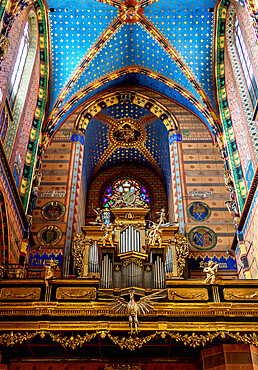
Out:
{"x": 182, "y": 282}
{"x": 166, "y": 309}
{"x": 146, "y": 326}
{"x": 197, "y": 282}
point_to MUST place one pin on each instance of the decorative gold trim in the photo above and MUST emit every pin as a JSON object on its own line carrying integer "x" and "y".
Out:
{"x": 132, "y": 342}
{"x": 240, "y": 294}
{"x": 128, "y": 261}
{"x": 180, "y": 294}
{"x": 76, "y": 293}
{"x": 166, "y": 309}
{"x": 20, "y": 293}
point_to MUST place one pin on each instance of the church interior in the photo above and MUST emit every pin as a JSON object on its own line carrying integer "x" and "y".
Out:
{"x": 128, "y": 184}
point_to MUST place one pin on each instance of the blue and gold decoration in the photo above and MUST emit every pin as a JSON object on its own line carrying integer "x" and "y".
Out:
{"x": 49, "y": 235}
{"x": 199, "y": 261}
{"x": 198, "y": 211}
{"x": 53, "y": 211}
{"x": 38, "y": 258}
{"x": 202, "y": 238}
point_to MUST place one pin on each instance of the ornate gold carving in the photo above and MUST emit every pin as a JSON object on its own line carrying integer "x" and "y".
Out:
{"x": 20, "y": 293}
{"x": 4, "y": 45}
{"x": 185, "y": 294}
{"x": 78, "y": 251}
{"x": 76, "y": 293}
{"x": 240, "y": 294}
{"x": 182, "y": 251}
{"x": 128, "y": 261}
{"x": 1, "y": 272}
{"x": 132, "y": 342}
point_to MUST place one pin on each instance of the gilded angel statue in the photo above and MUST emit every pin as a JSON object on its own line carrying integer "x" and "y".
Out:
{"x": 133, "y": 308}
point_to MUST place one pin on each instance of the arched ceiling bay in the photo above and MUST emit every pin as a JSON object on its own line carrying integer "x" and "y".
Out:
{"x": 103, "y": 146}
{"x": 91, "y": 40}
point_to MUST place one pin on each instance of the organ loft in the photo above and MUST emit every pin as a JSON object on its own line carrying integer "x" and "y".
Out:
{"x": 124, "y": 249}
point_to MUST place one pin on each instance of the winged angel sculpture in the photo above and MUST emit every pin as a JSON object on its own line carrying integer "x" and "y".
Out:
{"x": 132, "y": 308}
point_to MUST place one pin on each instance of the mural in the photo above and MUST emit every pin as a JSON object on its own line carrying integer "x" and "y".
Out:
{"x": 53, "y": 211}
{"x": 202, "y": 237}
{"x": 49, "y": 235}
{"x": 198, "y": 211}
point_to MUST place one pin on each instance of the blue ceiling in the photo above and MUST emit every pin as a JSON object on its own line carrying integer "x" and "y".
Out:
{"x": 97, "y": 142}
{"x": 75, "y": 27}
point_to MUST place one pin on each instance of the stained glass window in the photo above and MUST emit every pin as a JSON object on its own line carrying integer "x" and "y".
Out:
{"x": 245, "y": 63}
{"x": 19, "y": 64}
{"x": 120, "y": 187}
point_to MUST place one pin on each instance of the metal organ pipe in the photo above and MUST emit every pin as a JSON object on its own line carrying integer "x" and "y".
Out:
{"x": 129, "y": 240}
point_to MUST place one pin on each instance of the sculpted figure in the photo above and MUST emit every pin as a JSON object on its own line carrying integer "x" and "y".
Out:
{"x": 210, "y": 270}
{"x": 98, "y": 218}
{"x": 109, "y": 234}
{"x": 50, "y": 270}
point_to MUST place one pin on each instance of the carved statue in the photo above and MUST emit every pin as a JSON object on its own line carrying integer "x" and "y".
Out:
{"x": 98, "y": 219}
{"x": 4, "y": 45}
{"x": 155, "y": 234}
{"x": 162, "y": 216}
{"x": 231, "y": 204}
{"x": 34, "y": 192}
{"x": 50, "y": 270}
{"x": 182, "y": 252}
{"x": 228, "y": 179}
{"x": 109, "y": 234}
{"x": 132, "y": 308}
{"x": 210, "y": 270}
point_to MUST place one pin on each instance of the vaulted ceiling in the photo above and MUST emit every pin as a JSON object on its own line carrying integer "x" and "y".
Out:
{"x": 98, "y": 46}
{"x": 163, "y": 45}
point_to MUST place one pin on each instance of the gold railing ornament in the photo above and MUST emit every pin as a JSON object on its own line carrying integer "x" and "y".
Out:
{"x": 182, "y": 251}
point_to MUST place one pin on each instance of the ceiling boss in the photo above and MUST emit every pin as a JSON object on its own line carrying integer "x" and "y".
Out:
{"x": 131, "y": 13}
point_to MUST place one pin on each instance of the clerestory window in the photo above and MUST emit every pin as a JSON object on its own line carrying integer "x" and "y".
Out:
{"x": 19, "y": 65}
{"x": 245, "y": 63}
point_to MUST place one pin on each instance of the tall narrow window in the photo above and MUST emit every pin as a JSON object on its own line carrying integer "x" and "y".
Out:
{"x": 19, "y": 64}
{"x": 245, "y": 63}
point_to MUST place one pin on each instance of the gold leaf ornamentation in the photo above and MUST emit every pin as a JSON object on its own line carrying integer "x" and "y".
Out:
{"x": 182, "y": 251}
{"x": 137, "y": 261}
{"x": 76, "y": 293}
{"x": 129, "y": 343}
{"x": 240, "y": 294}
{"x": 184, "y": 294}
{"x": 20, "y": 293}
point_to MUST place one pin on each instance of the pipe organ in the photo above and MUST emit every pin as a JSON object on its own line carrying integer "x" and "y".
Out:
{"x": 127, "y": 254}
